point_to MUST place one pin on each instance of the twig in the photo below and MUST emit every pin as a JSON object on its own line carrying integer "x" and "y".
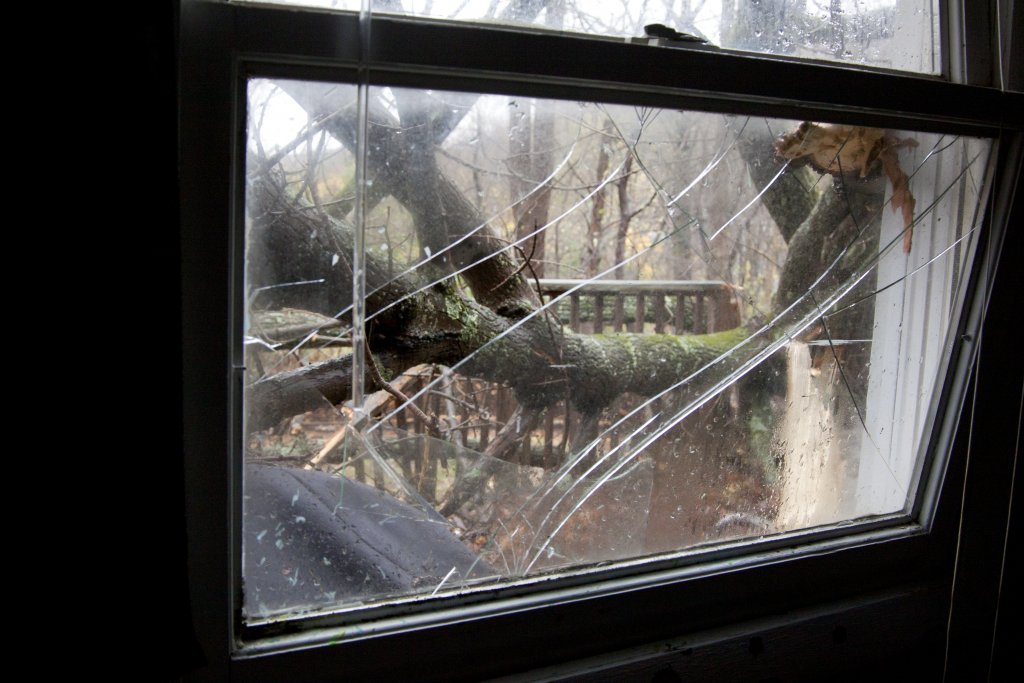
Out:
{"x": 371, "y": 364}
{"x": 526, "y": 262}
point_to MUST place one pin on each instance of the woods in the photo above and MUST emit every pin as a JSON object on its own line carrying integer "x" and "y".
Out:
{"x": 575, "y": 332}
{"x": 493, "y": 325}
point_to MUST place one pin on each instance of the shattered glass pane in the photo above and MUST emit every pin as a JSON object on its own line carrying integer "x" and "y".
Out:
{"x": 891, "y": 34}
{"x": 594, "y": 333}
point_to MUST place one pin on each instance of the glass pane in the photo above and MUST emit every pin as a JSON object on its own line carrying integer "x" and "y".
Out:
{"x": 594, "y": 333}
{"x": 891, "y": 34}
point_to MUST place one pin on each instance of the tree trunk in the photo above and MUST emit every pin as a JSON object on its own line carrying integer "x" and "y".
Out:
{"x": 539, "y": 359}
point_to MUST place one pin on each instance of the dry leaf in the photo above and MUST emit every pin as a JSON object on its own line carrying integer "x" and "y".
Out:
{"x": 854, "y": 150}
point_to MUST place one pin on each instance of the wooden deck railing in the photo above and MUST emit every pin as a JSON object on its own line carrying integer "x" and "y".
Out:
{"x": 476, "y": 410}
{"x": 659, "y": 306}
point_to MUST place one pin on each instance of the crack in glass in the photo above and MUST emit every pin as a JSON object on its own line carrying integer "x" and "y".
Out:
{"x": 593, "y": 333}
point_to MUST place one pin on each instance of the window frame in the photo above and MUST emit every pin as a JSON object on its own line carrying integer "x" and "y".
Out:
{"x": 222, "y": 45}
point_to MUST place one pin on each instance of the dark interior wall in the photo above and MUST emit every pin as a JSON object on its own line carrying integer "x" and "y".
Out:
{"x": 985, "y": 616}
{"x": 145, "y": 107}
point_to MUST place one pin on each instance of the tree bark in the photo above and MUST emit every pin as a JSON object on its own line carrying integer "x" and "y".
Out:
{"x": 495, "y": 331}
{"x": 531, "y": 161}
{"x": 542, "y": 361}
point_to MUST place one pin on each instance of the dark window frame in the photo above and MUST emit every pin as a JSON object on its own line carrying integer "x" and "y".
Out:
{"x": 222, "y": 45}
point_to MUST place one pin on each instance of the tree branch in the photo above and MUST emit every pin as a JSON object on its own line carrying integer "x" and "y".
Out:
{"x": 440, "y": 325}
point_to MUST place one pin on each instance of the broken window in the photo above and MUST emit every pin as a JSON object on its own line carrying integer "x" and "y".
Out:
{"x": 489, "y": 338}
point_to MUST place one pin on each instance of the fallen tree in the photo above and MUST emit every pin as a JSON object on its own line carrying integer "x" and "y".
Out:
{"x": 471, "y": 304}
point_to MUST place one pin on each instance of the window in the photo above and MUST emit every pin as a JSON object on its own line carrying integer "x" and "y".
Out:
{"x": 631, "y": 413}
{"x": 522, "y": 322}
{"x": 894, "y": 34}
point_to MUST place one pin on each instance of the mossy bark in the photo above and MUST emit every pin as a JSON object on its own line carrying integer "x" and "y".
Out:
{"x": 792, "y": 196}
{"x": 299, "y": 257}
{"x": 536, "y": 356}
{"x": 405, "y": 166}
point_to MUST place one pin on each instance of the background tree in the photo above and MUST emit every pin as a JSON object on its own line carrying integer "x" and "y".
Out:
{"x": 470, "y": 199}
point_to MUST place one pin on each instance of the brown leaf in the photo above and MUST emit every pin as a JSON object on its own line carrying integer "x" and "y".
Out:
{"x": 841, "y": 150}
{"x": 901, "y": 196}
{"x": 833, "y": 148}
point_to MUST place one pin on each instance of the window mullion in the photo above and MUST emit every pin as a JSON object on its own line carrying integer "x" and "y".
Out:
{"x": 969, "y": 49}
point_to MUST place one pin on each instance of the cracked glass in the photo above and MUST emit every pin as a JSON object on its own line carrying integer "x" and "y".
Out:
{"x": 491, "y": 338}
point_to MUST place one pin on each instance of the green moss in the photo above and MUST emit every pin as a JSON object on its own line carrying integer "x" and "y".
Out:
{"x": 454, "y": 306}
{"x": 682, "y": 346}
{"x": 618, "y": 345}
{"x": 609, "y": 364}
